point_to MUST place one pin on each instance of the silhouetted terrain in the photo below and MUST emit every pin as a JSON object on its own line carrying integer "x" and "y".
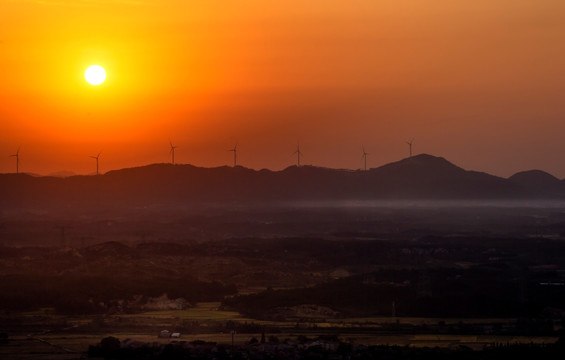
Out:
{"x": 302, "y": 251}
{"x": 322, "y": 347}
{"x": 420, "y": 177}
{"x": 538, "y": 182}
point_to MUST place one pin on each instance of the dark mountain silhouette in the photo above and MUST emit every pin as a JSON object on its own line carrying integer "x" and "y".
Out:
{"x": 426, "y": 176}
{"x": 419, "y": 177}
{"x": 62, "y": 173}
{"x": 539, "y": 182}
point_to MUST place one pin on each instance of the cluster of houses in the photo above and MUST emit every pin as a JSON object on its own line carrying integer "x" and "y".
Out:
{"x": 166, "y": 334}
{"x": 329, "y": 349}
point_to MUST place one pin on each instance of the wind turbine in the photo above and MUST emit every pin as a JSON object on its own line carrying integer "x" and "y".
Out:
{"x": 17, "y": 156}
{"x": 365, "y": 156}
{"x": 96, "y": 157}
{"x": 172, "y": 152}
{"x": 298, "y": 155}
{"x": 234, "y": 154}
{"x": 410, "y": 145}
{"x": 63, "y": 234}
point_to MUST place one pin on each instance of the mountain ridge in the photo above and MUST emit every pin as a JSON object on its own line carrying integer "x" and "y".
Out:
{"x": 422, "y": 176}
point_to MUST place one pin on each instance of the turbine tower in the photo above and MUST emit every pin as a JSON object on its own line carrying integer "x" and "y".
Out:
{"x": 17, "y": 156}
{"x": 298, "y": 155}
{"x": 234, "y": 155}
{"x": 410, "y": 145}
{"x": 172, "y": 152}
{"x": 96, "y": 157}
{"x": 63, "y": 235}
{"x": 365, "y": 156}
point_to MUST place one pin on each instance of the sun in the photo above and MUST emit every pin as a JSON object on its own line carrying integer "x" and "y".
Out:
{"x": 95, "y": 75}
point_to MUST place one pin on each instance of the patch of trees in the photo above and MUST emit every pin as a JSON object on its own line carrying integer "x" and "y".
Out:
{"x": 84, "y": 294}
{"x": 431, "y": 293}
{"x": 321, "y": 348}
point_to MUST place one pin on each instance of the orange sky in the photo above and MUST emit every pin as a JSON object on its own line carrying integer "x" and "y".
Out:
{"x": 479, "y": 82}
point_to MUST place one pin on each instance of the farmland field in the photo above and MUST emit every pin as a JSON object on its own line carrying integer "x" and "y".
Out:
{"x": 368, "y": 331}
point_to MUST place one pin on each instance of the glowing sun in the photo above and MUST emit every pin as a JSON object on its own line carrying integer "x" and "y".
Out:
{"x": 95, "y": 75}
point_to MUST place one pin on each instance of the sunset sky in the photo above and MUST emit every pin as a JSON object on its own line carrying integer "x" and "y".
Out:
{"x": 479, "y": 82}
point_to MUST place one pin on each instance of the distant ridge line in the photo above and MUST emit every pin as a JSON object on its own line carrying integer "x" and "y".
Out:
{"x": 419, "y": 177}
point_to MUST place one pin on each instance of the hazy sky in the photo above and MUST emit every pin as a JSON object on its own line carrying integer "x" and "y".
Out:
{"x": 479, "y": 82}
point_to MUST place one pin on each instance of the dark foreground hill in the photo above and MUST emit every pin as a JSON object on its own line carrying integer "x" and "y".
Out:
{"x": 420, "y": 177}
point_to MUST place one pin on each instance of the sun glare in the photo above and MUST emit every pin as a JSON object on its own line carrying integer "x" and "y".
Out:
{"x": 95, "y": 75}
